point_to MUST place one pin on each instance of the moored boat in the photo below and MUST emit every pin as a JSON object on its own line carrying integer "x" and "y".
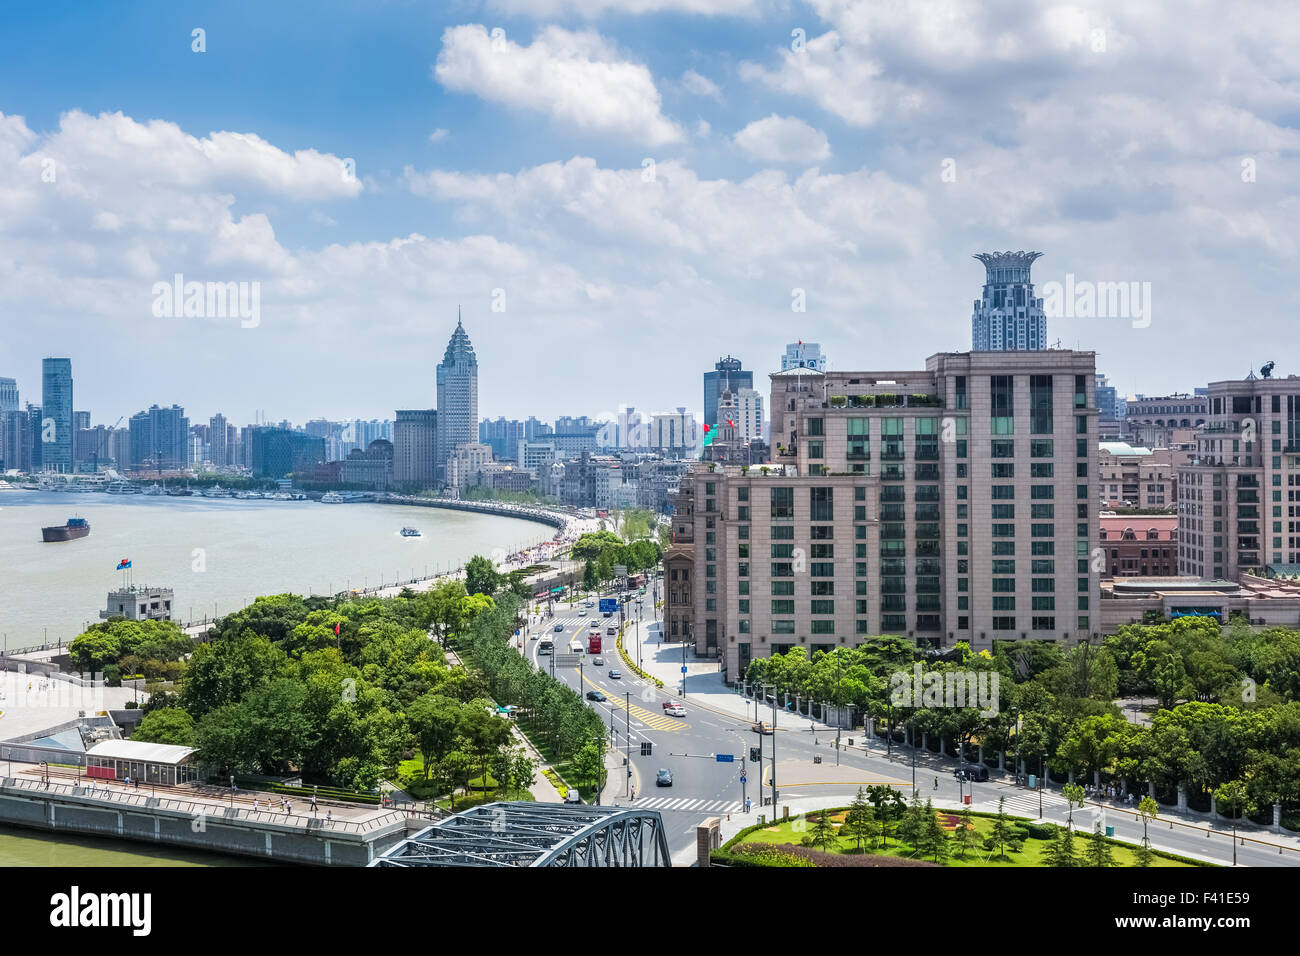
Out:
{"x": 75, "y": 528}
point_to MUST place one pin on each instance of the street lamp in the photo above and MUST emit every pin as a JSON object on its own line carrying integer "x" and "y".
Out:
{"x": 1041, "y": 761}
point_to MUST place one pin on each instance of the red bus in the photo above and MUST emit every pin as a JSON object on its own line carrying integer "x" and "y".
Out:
{"x": 593, "y": 643}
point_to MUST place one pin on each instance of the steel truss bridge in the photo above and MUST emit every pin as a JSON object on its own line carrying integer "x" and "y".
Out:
{"x": 518, "y": 833}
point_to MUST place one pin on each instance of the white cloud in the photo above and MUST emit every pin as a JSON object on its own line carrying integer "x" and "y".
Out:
{"x": 783, "y": 139}
{"x": 438, "y": 135}
{"x": 546, "y": 9}
{"x": 702, "y": 129}
{"x": 577, "y": 78}
{"x": 700, "y": 85}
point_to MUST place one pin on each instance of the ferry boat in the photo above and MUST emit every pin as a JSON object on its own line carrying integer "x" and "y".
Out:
{"x": 122, "y": 487}
{"x": 331, "y": 498}
{"x": 75, "y": 528}
{"x": 409, "y": 532}
{"x": 152, "y": 490}
{"x": 179, "y": 492}
{"x": 216, "y": 491}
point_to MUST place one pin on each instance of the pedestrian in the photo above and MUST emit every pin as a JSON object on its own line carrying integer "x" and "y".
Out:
{"x": 313, "y": 804}
{"x": 329, "y": 816}
{"x": 936, "y": 783}
{"x": 255, "y": 804}
{"x": 747, "y": 804}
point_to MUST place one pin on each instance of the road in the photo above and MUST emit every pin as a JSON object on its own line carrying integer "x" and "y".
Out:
{"x": 703, "y": 787}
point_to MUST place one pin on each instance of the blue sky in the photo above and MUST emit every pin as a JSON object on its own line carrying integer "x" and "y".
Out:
{"x": 1152, "y": 146}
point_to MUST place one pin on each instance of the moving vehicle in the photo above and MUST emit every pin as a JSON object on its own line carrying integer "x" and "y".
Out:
{"x": 664, "y": 778}
{"x": 612, "y": 631}
{"x": 614, "y": 675}
{"x": 571, "y": 795}
{"x": 593, "y": 643}
{"x": 409, "y": 532}
{"x": 972, "y": 771}
{"x": 599, "y": 662}
{"x": 596, "y": 695}
{"x": 762, "y": 728}
{"x": 546, "y": 646}
{"x": 674, "y": 709}
{"x": 74, "y": 528}
{"x": 575, "y": 646}
{"x": 559, "y": 626}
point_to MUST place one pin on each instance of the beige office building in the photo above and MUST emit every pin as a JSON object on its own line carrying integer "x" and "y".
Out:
{"x": 1237, "y": 499}
{"x": 953, "y": 503}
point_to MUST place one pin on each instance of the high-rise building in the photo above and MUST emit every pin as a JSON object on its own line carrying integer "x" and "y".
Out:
{"x": 803, "y": 355}
{"x": 504, "y": 435}
{"x": 80, "y": 420}
{"x": 160, "y": 439}
{"x": 279, "y": 452}
{"x": 1107, "y": 400}
{"x": 955, "y": 503}
{"x": 218, "y": 452}
{"x": 727, "y": 373}
{"x": 32, "y": 445}
{"x": 533, "y": 429}
{"x": 57, "y": 426}
{"x": 1008, "y": 318}
{"x": 457, "y": 383}
{"x": 1237, "y": 498}
{"x": 415, "y": 449}
{"x": 749, "y": 414}
{"x": 8, "y": 395}
{"x": 675, "y": 433}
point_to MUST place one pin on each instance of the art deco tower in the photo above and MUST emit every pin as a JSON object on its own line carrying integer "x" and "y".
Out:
{"x": 1008, "y": 318}
{"x": 457, "y": 396}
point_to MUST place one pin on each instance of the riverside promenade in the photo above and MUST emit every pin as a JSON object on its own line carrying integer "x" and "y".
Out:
{"x": 203, "y": 818}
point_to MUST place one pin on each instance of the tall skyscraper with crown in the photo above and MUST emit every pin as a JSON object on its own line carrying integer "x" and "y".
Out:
{"x": 457, "y": 378}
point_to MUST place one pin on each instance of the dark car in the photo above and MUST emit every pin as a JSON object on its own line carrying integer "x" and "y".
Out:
{"x": 595, "y": 695}
{"x": 664, "y": 778}
{"x": 972, "y": 771}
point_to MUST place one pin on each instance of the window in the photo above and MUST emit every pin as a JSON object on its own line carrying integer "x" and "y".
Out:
{"x": 820, "y": 500}
{"x": 783, "y": 588}
{"x": 1040, "y": 405}
{"x": 782, "y": 502}
{"x": 783, "y": 607}
{"x": 816, "y": 428}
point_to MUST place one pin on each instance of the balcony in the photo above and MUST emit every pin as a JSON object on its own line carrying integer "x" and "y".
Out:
{"x": 852, "y": 455}
{"x": 927, "y": 549}
{"x": 892, "y": 473}
{"x": 927, "y": 530}
{"x": 891, "y": 454}
{"x": 927, "y": 473}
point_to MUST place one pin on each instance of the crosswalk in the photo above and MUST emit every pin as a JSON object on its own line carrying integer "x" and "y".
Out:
{"x": 1026, "y": 805}
{"x": 688, "y": 805}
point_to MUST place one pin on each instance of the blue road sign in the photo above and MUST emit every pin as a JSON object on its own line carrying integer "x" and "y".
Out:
{"x": 683, "y": 668}
{"x": 726, "y": 758}
{"x": 608, "y": 604}
{"x": 743, "y": 778}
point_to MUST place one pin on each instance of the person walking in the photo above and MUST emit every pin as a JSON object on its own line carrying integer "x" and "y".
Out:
{"x": 313, "y": 804}
{"x": 936, "y": 783}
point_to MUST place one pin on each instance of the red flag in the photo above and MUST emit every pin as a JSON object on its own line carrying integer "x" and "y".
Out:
{"x": 336, "y": 628}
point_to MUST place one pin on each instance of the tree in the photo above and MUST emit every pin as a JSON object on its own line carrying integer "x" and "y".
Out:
{"x": 169, "y": 725}
{"x": 1147, "y": 810}
{"x": 860, "y": 821}
{"x": 589, "y": 762}
{"x": 589, "y": 580}
{"x": 966, "y": 835}
{"x": 911, "y": 828}
{"x": 1075, "y": 796}
{"x": 484, "y": 734}
{"x": 481, "y": 576}
{"x": 1001, "y": 837}
{"x": 433, "y": 720}
{"x": 1097, "y": 852}
{"x": 823, "y": 835}
{"x": 1060, "y": 852}
{"x": 933, "y": 836}
{"x": 889, "y": 807}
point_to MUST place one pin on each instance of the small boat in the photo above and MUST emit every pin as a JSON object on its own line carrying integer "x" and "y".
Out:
{"x": 216, "y": 491}
{"x": 331, "y": 498}
{"x": 409, "y": 532}
{"x": 152, "y": 490}
{"x": 75, "y": 528}
{"x": 180, "y": 492}
{"x": 122, "y": 487}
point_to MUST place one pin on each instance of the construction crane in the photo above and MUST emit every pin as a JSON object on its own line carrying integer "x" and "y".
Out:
{"x": 100, "y": 446}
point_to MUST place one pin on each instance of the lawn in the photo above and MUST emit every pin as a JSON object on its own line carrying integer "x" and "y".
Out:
{"x": 1031, "y": 855}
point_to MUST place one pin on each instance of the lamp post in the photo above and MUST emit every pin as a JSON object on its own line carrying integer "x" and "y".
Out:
{"x": 1041, "y": 761}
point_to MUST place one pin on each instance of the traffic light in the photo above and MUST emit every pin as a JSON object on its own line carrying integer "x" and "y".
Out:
{"x": 755, "y": 754}
{"x": 646, "y": 748}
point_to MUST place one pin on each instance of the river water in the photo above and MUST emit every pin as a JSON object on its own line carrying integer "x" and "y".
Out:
{"x": 217, "y": 554}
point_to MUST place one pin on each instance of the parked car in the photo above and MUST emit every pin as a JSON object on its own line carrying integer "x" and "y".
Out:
{"x": 615, "y": 675}
{"x": 572, "y": 796}
{"x": 664, "y": 778}
{"x": 595, "y": 695}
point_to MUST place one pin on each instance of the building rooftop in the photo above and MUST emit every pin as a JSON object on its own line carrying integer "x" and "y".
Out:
{"x": 1122, "y": 449}
{"x": 139, "y": 750}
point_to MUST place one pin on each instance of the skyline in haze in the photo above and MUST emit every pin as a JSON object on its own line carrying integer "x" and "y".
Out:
{"x": 627, "y": 193}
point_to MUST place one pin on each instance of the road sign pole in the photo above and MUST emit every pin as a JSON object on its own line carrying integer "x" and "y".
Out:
{"x": 627, "y": 742}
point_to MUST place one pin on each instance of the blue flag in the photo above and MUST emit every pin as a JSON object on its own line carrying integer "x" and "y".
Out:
{"x": 123, "y": 564}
